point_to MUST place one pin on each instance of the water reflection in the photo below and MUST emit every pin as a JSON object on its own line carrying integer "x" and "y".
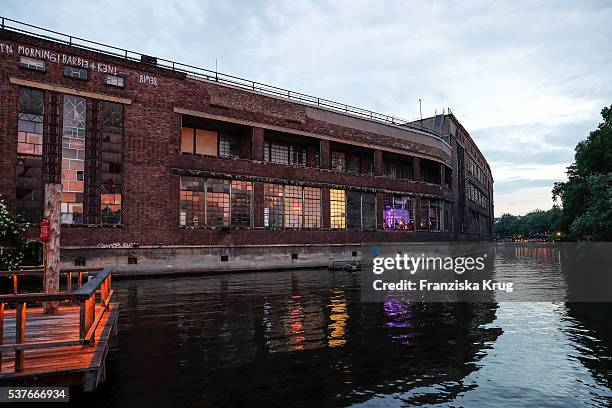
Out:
{"x": 303, "y": 338}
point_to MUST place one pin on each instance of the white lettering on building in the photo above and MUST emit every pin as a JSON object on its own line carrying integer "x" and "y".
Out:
{"x": 149, "y": 80}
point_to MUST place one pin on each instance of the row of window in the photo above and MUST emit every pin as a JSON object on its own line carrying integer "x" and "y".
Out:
{"x": 479, "y": 224}
{"x": 349, "y": 163}
{"x": 352, "y": 209}
{"x": 285, "y": 153}
{"x": 224, "y": 203}
{"x": 209, "y": 142}
{"x": 474, "y": 194}
{"x": 74, "y": 165}
{"x": 70, "y": 71}
{"x": 215, "y": 202}
{"x": 476, "y": 171}
{"x": 399, "y": 213}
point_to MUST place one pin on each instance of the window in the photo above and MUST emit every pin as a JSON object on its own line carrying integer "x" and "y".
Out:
{"x": 111, "y": 208}
{"x": 193, "y": 201}
{"x": 229, "y": 146}
{"x": 431, "y": 172}
{"x": 111, "y": 162}
{"x": 345, "y": 162}
{"x": 241, "y": 203}
{"x": 312, "y": 207}
{"x": 215, "y": 202}
{"x": 474, "y": 194}
{"x": 368, "y": 211}
{"x": 337, "y": 200}
{"x": 28, "y": 176}
{"x": 114, "y": 80}
{"x": 199, "y": 141}
{"x": 391, "y": 170}
{"x": 274, "y": 205}
{"x": 398, "y": 170}
{"x": 30, "y": 122}
{"x": 338, "y": 161}
{"x": 32, "y": 63}
{"x": 398, "y": 212}
{"x": 431, "y": 214}
{"x": 357, "y": 211}
{"x": 353, "y": 164}
{"x": 292, "y": 206}
{"x": 218, "y": 202}
{"x": 75, "y": 72}
{"x": 73, "y": 160}
{"x": 284, "y": 154}
{"x": 353, "y": 209}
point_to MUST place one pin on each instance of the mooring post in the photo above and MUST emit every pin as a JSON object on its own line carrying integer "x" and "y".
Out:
{"x": 52, "y": 246}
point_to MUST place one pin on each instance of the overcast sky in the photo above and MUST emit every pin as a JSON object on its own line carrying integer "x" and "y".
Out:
{"x": 527, "y": 81}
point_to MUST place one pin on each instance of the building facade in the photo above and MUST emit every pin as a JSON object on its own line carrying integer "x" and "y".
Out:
{"x": 155, "y": 158}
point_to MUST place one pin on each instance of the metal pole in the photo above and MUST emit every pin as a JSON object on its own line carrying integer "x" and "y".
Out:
{"x": 421, "y": 112}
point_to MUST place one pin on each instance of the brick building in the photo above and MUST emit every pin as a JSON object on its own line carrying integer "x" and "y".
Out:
{"x": 159, "y": 159}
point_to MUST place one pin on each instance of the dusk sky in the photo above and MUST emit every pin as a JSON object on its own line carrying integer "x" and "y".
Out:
{"x": 528, "y": 82}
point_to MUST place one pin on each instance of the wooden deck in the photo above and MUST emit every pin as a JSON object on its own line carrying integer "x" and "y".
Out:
{"x": 62, "y": 349}
{"x": 64, "y": 364}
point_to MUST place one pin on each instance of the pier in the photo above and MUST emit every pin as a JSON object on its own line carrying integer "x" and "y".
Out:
{"x": 65, "y": 348}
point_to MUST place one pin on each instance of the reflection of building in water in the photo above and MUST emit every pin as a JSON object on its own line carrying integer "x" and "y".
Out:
{"x": 399, "y": 315}
{"x": 338, "y": 317}
{"x": 215, "y": 331}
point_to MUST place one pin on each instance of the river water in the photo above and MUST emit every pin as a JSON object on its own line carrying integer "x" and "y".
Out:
{"x": 304, "y": 338}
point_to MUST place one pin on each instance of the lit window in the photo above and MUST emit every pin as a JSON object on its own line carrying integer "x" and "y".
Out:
{"x": 75, "y": 72}
{"x": 114, "y": 80}
{"x": 32, "y": 63}
{"x": 73, "y": 160}
{"x": 337, "y": 208}
{"x": 398, "y": 212}
{"x": 29, "y": 182}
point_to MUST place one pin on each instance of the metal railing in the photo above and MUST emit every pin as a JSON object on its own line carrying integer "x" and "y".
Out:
{"x": 214, "y": 76}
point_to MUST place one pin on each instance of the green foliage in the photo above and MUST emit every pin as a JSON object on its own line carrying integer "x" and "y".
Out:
{"x": 11, "y": 243}
{"x": 533, "y": 223}
{"x": 587, "y": 195}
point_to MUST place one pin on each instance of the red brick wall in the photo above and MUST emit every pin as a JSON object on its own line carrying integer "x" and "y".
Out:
{"x": 152, "y": 149}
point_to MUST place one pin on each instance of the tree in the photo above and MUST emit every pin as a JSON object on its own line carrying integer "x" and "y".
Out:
{"x": 11, "y": 242}
{"x": 586, "y": 195}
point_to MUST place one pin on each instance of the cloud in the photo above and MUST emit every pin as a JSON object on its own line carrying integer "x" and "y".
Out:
{"x": 527, "y": 80}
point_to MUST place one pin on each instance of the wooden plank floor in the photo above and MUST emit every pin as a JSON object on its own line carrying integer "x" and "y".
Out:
{"x": 58, "y": 360}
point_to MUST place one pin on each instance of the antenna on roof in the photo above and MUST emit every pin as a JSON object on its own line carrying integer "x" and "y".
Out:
{"x": 421, "y": 112}
{"x": 216, "y": 71}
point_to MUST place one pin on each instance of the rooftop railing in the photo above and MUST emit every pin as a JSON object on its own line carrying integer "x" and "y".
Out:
{"x": 214, "y": 76}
